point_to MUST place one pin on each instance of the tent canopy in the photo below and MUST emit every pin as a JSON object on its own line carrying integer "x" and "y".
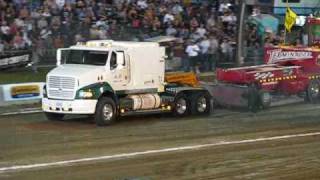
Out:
{"x": 265, "y": 23}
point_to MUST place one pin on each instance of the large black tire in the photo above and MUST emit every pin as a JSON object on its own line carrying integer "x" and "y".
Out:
{"x": 200, "y": 103}
{"x": 106, "y": 112}
{"x": 181, "y": 105}
{"x": 313, "y": 91}
{"x": 54, "y": 116}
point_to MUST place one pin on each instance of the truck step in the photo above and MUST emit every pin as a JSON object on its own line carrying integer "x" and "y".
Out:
{"x": 147, "y": 111}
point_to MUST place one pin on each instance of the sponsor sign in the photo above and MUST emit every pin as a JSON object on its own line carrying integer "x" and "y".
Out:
{"x": 14, "y": 60}
{"x": 23, "y": 91}
{"x": 282, "y": 55}
{"x": 279, "y": 55}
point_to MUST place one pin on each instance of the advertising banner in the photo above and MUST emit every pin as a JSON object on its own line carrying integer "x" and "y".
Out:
{"x": 14, "y": 60}
{"x": 308, "y": 58}
{"x": 278, "y": 54}
{"x": 22, "y": 91}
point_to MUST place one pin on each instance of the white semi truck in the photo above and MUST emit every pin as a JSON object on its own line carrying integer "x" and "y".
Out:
{"x": 109, "y": 79}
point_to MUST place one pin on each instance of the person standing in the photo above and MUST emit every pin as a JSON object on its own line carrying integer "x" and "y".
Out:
{"x": 35, "y": 56}
{"x": 37, "y": 52}
{"x": 60, "y": 3}
{"x": 204, "y": 46}
{"x": 226, "y": 50}
{"x": 192, "y": 51}
{"x": 213, "y": 52}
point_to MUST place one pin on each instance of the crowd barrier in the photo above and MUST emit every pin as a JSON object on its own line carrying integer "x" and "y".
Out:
{"x": 22, "y": 93}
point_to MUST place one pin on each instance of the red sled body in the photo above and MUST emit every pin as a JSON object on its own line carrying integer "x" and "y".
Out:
{"x": 288, "y": 71}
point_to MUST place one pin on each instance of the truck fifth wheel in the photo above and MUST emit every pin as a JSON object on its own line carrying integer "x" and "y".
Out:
{"x": 109, "y": 79}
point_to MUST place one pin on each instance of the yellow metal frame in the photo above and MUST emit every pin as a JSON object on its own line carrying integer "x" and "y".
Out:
{"x": 185, "y": 78}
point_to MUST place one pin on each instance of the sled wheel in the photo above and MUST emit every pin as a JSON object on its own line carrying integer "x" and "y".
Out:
{"x": 313, "y": 91}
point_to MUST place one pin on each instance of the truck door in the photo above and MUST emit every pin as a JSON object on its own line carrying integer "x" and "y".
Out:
{"x": 119, "y": 66}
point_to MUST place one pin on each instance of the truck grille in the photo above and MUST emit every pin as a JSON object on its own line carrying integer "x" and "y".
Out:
{"x": 61, "y": 87}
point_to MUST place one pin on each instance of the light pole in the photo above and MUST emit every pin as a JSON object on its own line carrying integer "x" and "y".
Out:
{"x": 239, "y": 55}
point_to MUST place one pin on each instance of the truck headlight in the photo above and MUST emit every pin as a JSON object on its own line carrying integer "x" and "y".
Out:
{"x": 85, "y": 94}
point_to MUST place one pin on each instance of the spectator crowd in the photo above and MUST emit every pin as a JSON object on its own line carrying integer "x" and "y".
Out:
{"x": 206, "y": 29}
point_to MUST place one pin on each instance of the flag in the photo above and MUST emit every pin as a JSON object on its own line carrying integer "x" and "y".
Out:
{"x": 290, "y": 19}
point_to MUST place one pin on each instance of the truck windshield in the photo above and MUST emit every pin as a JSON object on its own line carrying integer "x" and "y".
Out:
{"x": 98, "y": 58}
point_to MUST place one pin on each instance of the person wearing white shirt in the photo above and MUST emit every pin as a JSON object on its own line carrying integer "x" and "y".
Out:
{"x": 226, "y": 50}
{"x": 211, "y": 22}
{"x": 168, "y": 18}
{"x": 224, "y": 6}
{"x": 177, "y": 9}
{"x": 213, "y": 52}
{"x": 201, "y": 30}
{"x": 142, "y": 4}
{"x": 60, "y": 3}
{"x": 5, "y": 31}
{"x": 192, "y": 51}
{"x": 229, "y": 18}
{"x": 171, "y": 31}
{"x": 204, "y": 46}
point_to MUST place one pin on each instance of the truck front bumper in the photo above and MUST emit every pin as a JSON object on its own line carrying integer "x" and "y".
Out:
{"x": 79, "y": 106}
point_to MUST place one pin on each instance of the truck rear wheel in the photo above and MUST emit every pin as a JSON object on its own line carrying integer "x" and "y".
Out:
{"x": 54, "y": 116}
{"x": 313, "y": 91}
{"x": 201, "y": 104}
{"x": 106, "y": 112}
{"x": 181, "y": 105}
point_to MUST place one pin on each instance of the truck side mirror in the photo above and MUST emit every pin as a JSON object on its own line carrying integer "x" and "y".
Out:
{"x": 120, "y": 59}
{"x": 59, "y": 57}
{"x": 113, "y": 61}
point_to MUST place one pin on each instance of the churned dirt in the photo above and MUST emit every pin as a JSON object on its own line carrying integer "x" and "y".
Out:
{"x": 31, "y": 139}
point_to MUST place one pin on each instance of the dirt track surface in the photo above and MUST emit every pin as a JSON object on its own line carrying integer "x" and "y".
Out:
{"x": 30, "y": 139}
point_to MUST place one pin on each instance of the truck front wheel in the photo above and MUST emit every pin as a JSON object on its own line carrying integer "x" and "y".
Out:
{"x": 106, "y": 112}
{"x": 54, "y": 116}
